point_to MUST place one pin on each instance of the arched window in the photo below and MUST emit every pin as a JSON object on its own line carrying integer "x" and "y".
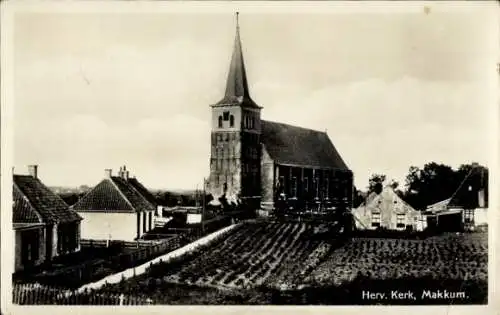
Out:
{"x": 220, "y": 121}
{"x": 231, "y": 121}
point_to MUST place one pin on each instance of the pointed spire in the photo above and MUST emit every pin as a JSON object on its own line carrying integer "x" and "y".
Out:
{"x": 237, "y": 78}
{"x": 237, "y": 85}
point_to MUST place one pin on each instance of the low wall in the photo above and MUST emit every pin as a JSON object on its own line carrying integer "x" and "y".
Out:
{"x": 129, "y": 273}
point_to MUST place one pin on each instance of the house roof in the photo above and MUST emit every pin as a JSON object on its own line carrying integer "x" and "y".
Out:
{"x": 287, "y": 144}
{"x": 23, "y": 211}
{"x": 439, "y": 206}
{"x": 237, "y": 92}
{"x": 32, "y": 197}
{"x": 143, "y": 191}
{"x": 115, "y": 194}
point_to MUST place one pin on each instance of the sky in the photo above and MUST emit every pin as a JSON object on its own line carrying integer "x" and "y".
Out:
{"x": 100, "y": 90}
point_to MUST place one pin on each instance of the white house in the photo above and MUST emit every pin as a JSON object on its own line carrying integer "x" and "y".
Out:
{"x": 387, "y": 210}
{"x": 118, "y": 208}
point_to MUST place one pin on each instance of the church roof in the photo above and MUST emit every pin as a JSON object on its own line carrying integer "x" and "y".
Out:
{"x": 32, "y": 197}
{"x": 237, "y": 92}
{"x": 116, "y": 194}
{"x": 292, "y": 145}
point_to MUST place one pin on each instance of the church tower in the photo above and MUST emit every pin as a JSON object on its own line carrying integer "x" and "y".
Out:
{"x": 235, "y": 137}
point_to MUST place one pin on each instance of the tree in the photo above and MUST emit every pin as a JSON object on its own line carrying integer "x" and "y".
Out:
{"x": 437, "y": 182}
{"x": 375, "y": 183}
{"x": 473, "y": 178}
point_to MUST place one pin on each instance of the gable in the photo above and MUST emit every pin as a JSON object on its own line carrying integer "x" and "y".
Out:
{"x": 292, "y": 145}
{"x": 386, "y": 201}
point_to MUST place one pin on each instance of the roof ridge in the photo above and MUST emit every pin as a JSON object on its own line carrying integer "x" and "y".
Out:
{"x": 294, "y": 126}
{"x": 111, "y": 179}
{"x": 39, "y": 216}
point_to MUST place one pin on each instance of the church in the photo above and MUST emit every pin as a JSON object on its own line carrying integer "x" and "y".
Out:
{"x": 260, "y": 163}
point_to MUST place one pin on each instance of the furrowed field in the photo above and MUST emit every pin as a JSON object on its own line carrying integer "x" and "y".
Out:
{"x": 266, "y": 262}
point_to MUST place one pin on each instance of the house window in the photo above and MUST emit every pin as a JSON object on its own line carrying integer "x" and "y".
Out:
{"x": 144, "y": 221}
{"x": 231, "y": 121}
{"x": 220, "y": 121}
{"x": 375, "y": 219}
{"x": 400, "y": 221}
{"x": 294, "y": 187}
{"x": 306, "y": 184}
{"x": 226, "y": 116}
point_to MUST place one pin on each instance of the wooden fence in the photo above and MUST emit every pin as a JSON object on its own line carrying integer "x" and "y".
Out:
{"x": 127, "y": 244}
{"x": 36, "y": 294}
{"x": 75, "y": 275}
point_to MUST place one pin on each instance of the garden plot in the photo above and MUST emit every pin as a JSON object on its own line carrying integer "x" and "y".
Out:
{"x": 447, "y": 257}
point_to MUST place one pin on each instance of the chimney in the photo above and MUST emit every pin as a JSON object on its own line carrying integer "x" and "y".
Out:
{"x": 33, "y": 170}
{"x": 107, "y": 173}
{"x": 124, "y": 172}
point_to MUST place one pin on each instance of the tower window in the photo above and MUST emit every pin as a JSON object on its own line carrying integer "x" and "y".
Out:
{"x": 220, "y": 121}
{"x": 231, "y": 121}
{"x": 226, "y": 116}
